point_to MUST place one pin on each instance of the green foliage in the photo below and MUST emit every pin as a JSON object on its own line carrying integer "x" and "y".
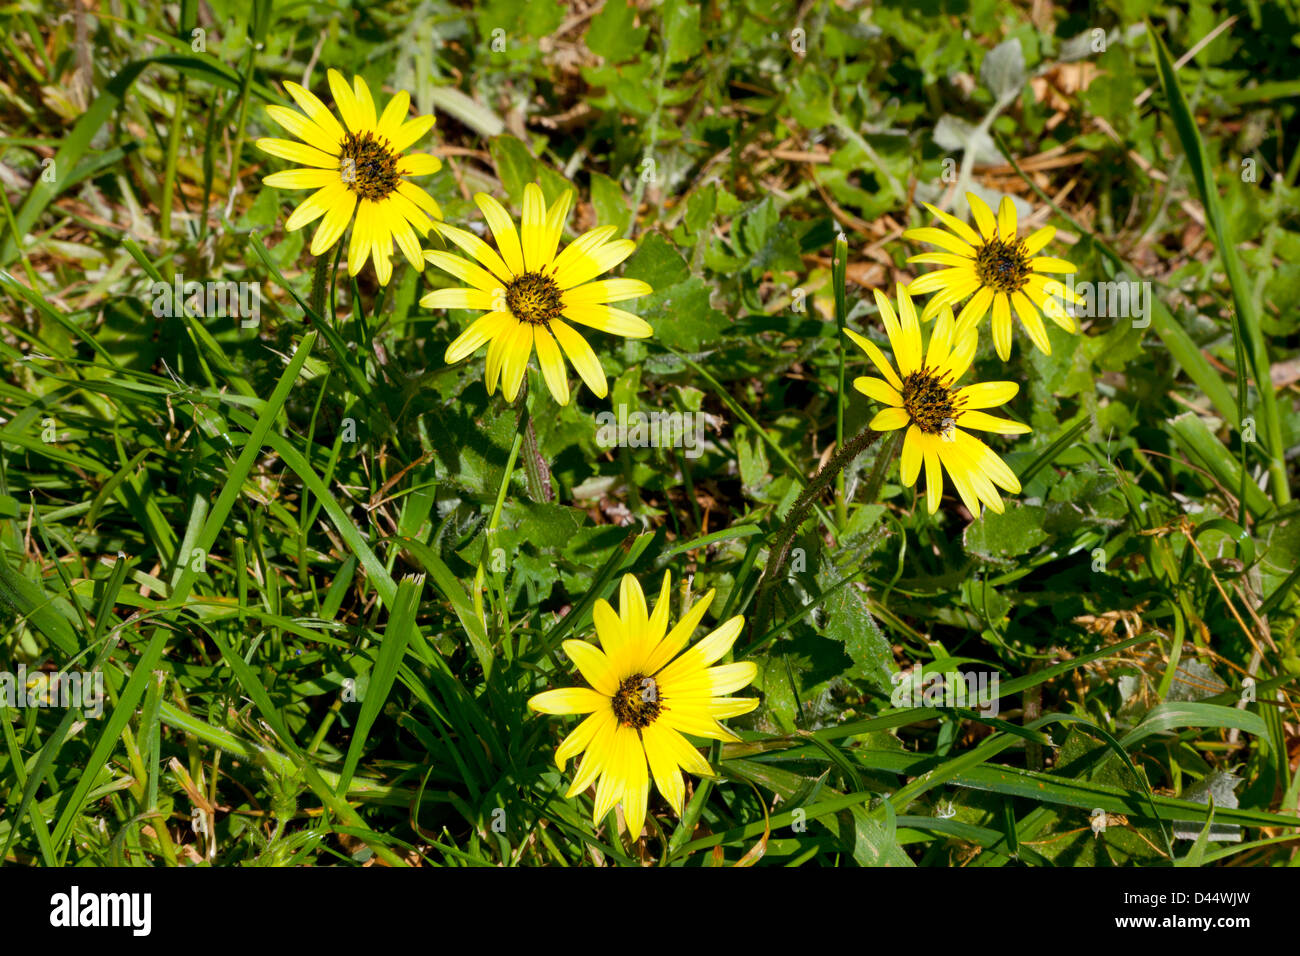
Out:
{"x": 321, "y": 572}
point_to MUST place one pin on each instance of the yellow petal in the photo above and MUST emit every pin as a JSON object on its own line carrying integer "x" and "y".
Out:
{"x": 418, "y": 164}
{"x": 359, "y": 246}
{"x": 983, "y": 216}
{"x": 1032, "y": 322}
{"x": 591, "y": 263}
{"x": 581, "y": 736}
{"x": 552, "y": 365}
{"x": 297, "y": 153}
{"x": 390, "y": 121}
{"x": 942, "y": 279}
{"x": 518, "y": 348}
{"x": 910, "y": 461}
{"x": 481, "y": 330}
{"x": 877, "y": 358}
{"x": 503, "y": 230}
{"x": 1002, "y": 325}
{"x": 365, "y": 103}
{"x": 304, "y": 129}
{"x": 1006, "y": 219}
{"x": 460, "y": 299}
{"x": 598, "y": 755}
{"x": 975, "y": 309}
{"x": 986, "y": 394}
{"x": 583, "y": 358}
{"x": 955, "y": 224}
{"x": 476, "y": 247}
{"x": 1051, "y": 264}
{"x": 933, "y": 473}
{"x": 677, "y": 638}
{"x": 663, "y": 766}
{"x": 580, "y": 247}
{"x": 346, "y": 101}
{"x": 879, "y": 390}
{"x": 632, "y": 608}
{"x": 1038, "y": 239}
{"x": 555, "y": 219}
{"x": 609, "y": 319}
{"x": 466, "y": 271}
{"x": 532, "y": 227}
{"x": 889, "y": 419}
{"x": 302, "y": 178}
{"x": 636, "y": 787}
{"x": 594, "y": 666}
{"x": 420, "y": 198}
{"x": 944, "y": 240}
{"x": 336, "y": 220}
{"x": 319, "y": 114}
{"x": 701, "y": 655}
{"x": 606, "y": 291}
{"x": 568, "y": 700}
{"x": 981, "y": 421}
{"x": 410, "y": 132}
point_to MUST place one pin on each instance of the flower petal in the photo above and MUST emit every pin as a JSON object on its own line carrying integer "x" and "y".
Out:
{"x": 568, "y": 700}
{"x": 594, "y": 665}
{"x": 482, "y": 330}
{"x": 889, "y": 419}
{"x": 581, "y": 356}
{"x": 503, "y": 230}
{"x": 879, "y": 390}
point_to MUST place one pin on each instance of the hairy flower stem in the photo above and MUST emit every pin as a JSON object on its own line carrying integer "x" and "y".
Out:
{"x": 319, "y": 281}
{"x": 798, "y": 511}
{"x": 536, "y": 470}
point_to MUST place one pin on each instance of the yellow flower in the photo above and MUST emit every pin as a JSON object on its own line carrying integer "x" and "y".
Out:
{"x": 643, "y": 697}
{"x": 525, "y": 288}
{"x": 922, "y": 398}
{"x": 358, "y": 168}
{"x": 999, "y": 268}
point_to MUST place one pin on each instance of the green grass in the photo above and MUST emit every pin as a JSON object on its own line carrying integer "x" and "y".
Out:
{"x": 321, "y": 572}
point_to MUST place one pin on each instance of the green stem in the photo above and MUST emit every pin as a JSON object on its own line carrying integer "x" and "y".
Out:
{"x": 798, "y": 511}
{"x": 521, "y": 428}
{"x": 537, "y": 471}
{"x": 319, "y": 282}
{"x": 839, "y": 270}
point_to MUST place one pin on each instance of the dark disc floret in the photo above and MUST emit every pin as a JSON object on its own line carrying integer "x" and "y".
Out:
{"x": 1002, "y": 264}
{"x": 534, "y": 298}
{"x": 368, "y": 165}
{"x": 636, "y": 703}
{"x": 929, "y": 401}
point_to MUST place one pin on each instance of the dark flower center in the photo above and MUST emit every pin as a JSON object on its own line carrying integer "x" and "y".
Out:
{"x": 929, "y": 402}
{"x": 636, "y": 702}
{"x": 534, "y": 297}
{"x": 1002, "y": 265}
{"x": 368, "y": 166}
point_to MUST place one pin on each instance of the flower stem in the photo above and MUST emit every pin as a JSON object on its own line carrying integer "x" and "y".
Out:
{"x": 839, "y": 271}
{"x": 798, "y": 511}
{"x": 319, "y": 280}
{"x": 537, "y": 471}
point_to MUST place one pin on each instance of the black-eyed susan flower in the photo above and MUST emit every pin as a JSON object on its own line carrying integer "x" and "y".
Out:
{"x": 356, "y": 167}
{"x": 922, "y": 397}
{"x": 998, "y": 270}
{"x": 643, "y": 696}
{"x": 527, "y": 291}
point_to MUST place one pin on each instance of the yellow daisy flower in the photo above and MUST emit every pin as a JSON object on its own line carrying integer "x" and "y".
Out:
{"x": 999, "y": 268}
{"x": 643, "y": 697}
{"x": 525, "y": 288}
{"x": 356, "y": 168}
{"x": 923, "y": 398}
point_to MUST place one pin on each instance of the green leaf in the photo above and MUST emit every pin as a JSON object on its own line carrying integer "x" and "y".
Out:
{"x": 516, "y": 167}
{"x": 612, "y": 33}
